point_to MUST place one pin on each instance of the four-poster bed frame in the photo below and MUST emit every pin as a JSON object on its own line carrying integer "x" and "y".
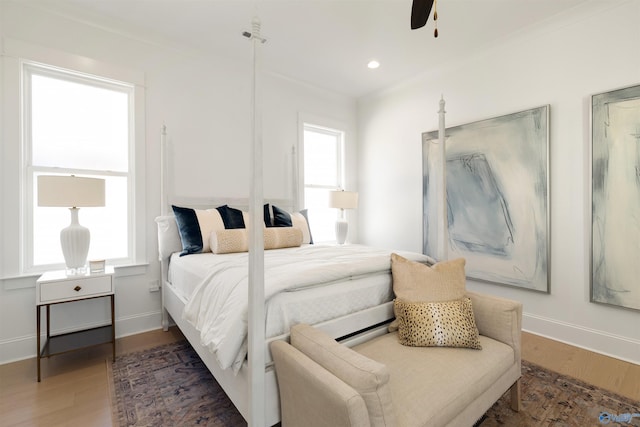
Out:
{"x": 253, "y": 390}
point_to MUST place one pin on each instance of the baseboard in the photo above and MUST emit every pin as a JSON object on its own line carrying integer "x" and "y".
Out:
{"x": 142, "y": 322}
{"x": 20, "y": 348}
{"x": 626, "y": 349}
{"x": 601, "y": 342}
{"x": 17, "y": 348}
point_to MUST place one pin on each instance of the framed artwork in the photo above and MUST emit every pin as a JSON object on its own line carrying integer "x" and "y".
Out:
{"x": 615, "y": 198}
{"x": 497, "y": 180}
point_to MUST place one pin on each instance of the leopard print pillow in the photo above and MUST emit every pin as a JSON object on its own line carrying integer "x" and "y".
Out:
{"x": 437, "y": 324}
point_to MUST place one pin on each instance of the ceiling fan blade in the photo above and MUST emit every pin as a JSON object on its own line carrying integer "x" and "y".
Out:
{"x": 420, "y": 11}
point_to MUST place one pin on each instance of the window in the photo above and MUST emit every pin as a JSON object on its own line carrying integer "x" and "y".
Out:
{"x": 83, "y": 125}
{"x": 323, "y": 172}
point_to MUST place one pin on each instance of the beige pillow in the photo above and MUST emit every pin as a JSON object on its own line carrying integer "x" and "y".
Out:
{"x": 233, "y": 240}
{"x": 437, "y": 324}
{"x": 210, "y": 221}
{"x": 227, "y": 241}
{"x": 413, "y": 281}
{"x": 366, "y": 376}
{"x": 282, "y": 237}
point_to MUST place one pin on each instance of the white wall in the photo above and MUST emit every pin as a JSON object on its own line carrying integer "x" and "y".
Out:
{"x": 590, "y": 50}
{"x": 204, "y": 101}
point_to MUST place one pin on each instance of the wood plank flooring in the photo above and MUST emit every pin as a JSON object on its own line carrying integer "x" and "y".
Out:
{"x": 594, "y": 368}
{"x": 75, "y": 389}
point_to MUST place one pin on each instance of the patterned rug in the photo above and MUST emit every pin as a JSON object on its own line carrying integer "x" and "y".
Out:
{"x": 553, "y": 400}
{"x": 170, "y": 386}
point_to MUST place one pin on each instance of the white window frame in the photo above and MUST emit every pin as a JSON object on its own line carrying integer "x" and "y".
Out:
{"x": 331, "y": 127}
{"x": 339, "y": 134}
{"x": 14, "y": 185}
{"x": 29, "y": 69}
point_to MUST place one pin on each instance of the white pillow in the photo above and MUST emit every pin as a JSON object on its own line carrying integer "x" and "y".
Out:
{"x": 168, "y": 236}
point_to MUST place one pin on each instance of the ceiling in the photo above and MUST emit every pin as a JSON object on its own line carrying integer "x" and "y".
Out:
{"x": 326, "y": 43}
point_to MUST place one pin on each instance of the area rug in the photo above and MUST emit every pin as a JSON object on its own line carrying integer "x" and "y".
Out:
{"x": 170, "y": 386}
{"x": 553, "y": 400}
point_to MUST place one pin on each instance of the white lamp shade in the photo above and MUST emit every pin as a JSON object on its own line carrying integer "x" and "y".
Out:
{"x": 343, "y": 199}
{"x": 70, "y": 191}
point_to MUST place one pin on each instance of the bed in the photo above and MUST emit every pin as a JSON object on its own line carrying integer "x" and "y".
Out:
{"x": 250, "y": 382}
{"x": 343, "y": 289}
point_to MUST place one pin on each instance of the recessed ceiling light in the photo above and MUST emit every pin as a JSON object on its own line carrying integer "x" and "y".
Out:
{"x": 373, "y": 64}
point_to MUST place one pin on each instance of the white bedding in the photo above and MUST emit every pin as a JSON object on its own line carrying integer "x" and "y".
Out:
{"x": 354, "y": 277}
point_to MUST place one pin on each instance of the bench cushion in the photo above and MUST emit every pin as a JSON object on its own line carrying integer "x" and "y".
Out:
{"x": 368, "y": 377}
{"x": 431, "y": 385}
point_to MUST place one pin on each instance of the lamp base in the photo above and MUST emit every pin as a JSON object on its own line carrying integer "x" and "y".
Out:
{"x": 342, "y": 227}
{"x": 75, "y": 243}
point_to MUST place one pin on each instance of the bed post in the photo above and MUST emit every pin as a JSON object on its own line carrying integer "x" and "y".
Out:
{"x": 294, "y": 180}
{"x": 256, "y": 326}
{"x": 163, "y": 171}
{"x": 164, "y": 267}
{"x": 441, "y": 182}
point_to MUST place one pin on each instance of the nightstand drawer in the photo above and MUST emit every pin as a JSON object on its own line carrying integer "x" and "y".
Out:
{"x": 76, "y": 288}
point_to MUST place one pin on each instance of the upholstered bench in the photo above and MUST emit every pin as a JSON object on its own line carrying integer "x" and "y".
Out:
{"x": 383, "y": 383}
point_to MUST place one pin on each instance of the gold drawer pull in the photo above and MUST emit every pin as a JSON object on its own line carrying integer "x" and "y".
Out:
{"x": 77, "y": 288}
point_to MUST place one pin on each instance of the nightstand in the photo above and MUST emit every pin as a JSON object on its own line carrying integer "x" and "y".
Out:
{"x": 55, "y": 287}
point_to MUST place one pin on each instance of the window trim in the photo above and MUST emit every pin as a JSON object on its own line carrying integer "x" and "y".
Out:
{"x": 339, "y": 134}
{"x": 12, "y": 160}
{"x": 28, "y": 70}
{"x": 330, "y": 127}
{"x": 327, "y": 124}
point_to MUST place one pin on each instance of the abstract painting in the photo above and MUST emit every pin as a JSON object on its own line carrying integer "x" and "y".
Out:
{"x": 497, "y": 197}
{"x": 615, "y": 198}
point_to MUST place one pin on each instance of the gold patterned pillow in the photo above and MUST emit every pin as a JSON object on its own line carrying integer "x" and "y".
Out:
{"x": 437, "y": 324}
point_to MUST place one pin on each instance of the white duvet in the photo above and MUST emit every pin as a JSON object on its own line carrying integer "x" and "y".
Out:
{"x": 218, "y": 306}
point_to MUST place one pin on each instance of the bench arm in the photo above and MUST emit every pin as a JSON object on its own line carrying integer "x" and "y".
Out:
{"x": 310, "y": 396}
{"x": 498, "y": 318}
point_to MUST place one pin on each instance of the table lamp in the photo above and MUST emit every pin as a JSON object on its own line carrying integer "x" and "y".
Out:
{"x": 72, "y": 192}
{"x": 342, "y": 200}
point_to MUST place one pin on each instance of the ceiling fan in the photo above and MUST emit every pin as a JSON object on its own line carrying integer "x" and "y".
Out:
{"x": 420, "y": 11}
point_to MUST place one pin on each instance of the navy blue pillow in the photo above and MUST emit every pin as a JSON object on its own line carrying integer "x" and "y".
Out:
{"x": 189, "y": 230}
{"x": 231, "y": 217}
{"x": 267, "y": 215}
{"x": 281, "y": 218}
